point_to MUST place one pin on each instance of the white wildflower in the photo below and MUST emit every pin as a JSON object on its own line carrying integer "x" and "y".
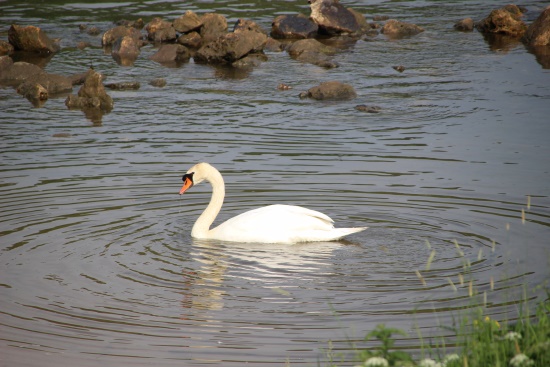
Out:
{"x": 451, "y": 358}
{"x": 512, "y": 335}
{"x": 521, "y": 360}
{"x": 428, "y": 362}
{"x": 376, "y": 362}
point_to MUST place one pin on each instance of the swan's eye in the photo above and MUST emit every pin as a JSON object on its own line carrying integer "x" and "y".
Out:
{"x": 188, "y": 175}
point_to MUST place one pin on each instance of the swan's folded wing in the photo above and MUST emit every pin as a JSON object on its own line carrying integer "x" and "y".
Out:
{"x": 275, "y": 222}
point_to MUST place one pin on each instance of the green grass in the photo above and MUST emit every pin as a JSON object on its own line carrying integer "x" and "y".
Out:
{"x": 482, "y": 342}
{"x": 475, "y": 339}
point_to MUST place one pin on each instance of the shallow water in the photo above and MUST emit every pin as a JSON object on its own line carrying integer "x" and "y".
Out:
{"x": 97, "y": 262}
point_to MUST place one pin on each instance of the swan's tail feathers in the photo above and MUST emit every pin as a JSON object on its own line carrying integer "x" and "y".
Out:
{"x": 348, "y": 231}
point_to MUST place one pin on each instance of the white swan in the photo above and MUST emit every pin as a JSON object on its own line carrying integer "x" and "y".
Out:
{"x": 270, "y": 224}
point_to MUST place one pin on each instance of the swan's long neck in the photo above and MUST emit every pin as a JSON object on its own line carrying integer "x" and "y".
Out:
{"x": 202, "y": 225}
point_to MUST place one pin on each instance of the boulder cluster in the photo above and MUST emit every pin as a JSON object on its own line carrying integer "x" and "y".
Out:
{"x": 207, "y": 39}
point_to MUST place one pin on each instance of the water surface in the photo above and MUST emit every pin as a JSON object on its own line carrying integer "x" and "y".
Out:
{"x": 97, "y": 262}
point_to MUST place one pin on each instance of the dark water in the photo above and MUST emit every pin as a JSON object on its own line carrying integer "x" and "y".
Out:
{"x": 97, "y": 263}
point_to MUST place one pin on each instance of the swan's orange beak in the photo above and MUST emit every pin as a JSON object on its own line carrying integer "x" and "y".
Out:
{"x": 187, "y": 183}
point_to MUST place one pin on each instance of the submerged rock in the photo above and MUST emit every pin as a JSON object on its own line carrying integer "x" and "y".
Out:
{"x": 333, "y": 90}
{"x": 397, "y": 29}
{"x": 332, "y": 17}
{"x": 172, "y": 53}
{"x": 123, "y": 86}
{"x": 464, "y": 25}
{"x": 283, "y": 86}
{"x": 13, "y": 73}
{"x": 17, "y": 73}
{"x": 137, "y": 24}
{"x": 158, "y": 82}
{"x": 310, "y": 45}
{"x": 31, "y": 39}
{"x": 250, "y": 61}
{"x": 313, "y": 52}
{"x": 368, "y": 109}
{"x": 506, "y": 20}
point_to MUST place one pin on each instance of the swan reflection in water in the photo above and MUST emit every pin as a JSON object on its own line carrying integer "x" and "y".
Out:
{"x": 273, "y": 266}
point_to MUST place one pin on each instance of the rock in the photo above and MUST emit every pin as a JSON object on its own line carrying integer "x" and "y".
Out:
{"x": 31, "y": 39}
{"x": 332, "y": 17}
{"x": 188, "y": 22}
{"x": 93, "y": 31}
{"x": 123, "y": 86}
{"x": 273, "y": 45}
{"x": 368, "y": 109}
{"x": 318, "y": 59}
{"x": 213, "y": 26}
{"x": 115, "y": 33}
{"x": 159, "y": 30}
{"x": 6, "y": 48}
{"x": 91, "y": 95}
{"x": 172, "y": 53}
{"x": 332, "y": 90}
{"x": 380, "y": 18}
{"x": 506, "y": 20}
{"x": 15, "y": 73}
{"x": 309, "y": 45}
{"x": 158, "y": 82}
{"x": 231, "y": 47}
{"x": 538, "y": 33}
{"x": 248, "y": 25}
{"x": 465, "y": 25}
{"x": 293, "y": 27}
{"x": 53, "y": 83}
{"x": 125, "y": 50}
{"x": 397, "y": 29}
{"x": 191, "y": 40}
{"x": 32, "y": 91}
{"x": 21, "y": 72}
{"x": 313, "y": 52}
{"x": 6, "y": 63}
{"x": 283, "y": 86}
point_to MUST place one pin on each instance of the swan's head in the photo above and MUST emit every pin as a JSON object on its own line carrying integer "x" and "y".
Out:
{"x": 195, "y": 175}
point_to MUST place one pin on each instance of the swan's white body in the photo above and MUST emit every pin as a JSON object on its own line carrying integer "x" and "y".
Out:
{"x": 269, "y": 224}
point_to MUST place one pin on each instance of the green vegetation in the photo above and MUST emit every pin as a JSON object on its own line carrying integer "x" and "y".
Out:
{"x": 476, "y": 340}
{"x": 482, "y": 342}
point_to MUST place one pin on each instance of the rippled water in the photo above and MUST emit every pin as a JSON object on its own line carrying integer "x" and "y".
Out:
{"x": 97, "y": 263}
